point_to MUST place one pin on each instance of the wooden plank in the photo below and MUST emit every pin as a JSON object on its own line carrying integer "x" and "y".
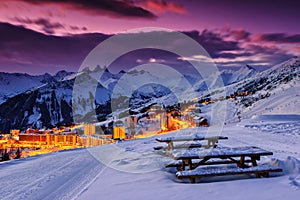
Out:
{"x": 182, "y": 146}
{"x": 229, "y": 173}
{"x": 219, "y": 162}
{"x": 218, "y": 156}
{"x": 178, "y": 139}
{"x": 264, "y": 170}
{"x": 221, "y": 152}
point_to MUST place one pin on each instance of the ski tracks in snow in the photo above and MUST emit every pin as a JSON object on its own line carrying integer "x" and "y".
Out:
{"x": 295, "y": 182}
{"x": 57, "y": 176}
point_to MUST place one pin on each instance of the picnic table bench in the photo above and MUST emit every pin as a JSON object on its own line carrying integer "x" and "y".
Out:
{"x": 196, "y": 158}
{"x": 211, "y": 142}
{"x": 205, "y": 172}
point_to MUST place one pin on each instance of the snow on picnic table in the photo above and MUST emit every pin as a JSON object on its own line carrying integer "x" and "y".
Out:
{"x": 133, "y": 170}
{"x": 189, "y": 137}
{"x": 215, "y": 152}
{"x": 223, "y": 170}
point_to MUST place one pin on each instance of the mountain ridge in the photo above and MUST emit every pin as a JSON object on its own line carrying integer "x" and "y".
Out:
{"x": 48, "y": 101}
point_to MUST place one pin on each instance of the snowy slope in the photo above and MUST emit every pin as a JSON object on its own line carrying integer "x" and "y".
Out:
{"x": 49, "y": 177}
{"x": 270, "y": 79}
{"x": 225, "y": 77}
{"x": 43, "y": 106}
{"x": 133, "y": 170}
{"x": 12, "y": 84}
{"x": 231, "y": 76}
{"x": 284, "y": 99}
{"x": 145, "y": 176}
{"x": 275, "y": 90}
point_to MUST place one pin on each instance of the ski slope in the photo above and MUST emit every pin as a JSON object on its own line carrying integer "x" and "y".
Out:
{"x": 133, "y": 170}
{"x": 54, "y": 176}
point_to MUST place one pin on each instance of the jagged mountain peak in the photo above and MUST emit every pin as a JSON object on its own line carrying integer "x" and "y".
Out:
{"x": 234, "y": 76}
{"x": 246, "y": 69}
{"x": 60, "y": 75}
{"x": 122, "y": 72}
{"x": 46, "y": 78}
{"x": 249, "y": 67}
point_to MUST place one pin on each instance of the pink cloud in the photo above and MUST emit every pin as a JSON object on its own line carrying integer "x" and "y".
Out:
{"x": 161, "y": 6}
{"x": 234, "y": 34}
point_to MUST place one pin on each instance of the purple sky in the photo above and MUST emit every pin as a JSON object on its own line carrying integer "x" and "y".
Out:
{"x": 38, "y": 36}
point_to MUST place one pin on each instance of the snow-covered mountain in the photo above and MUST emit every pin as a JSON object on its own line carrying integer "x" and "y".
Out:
{"x": 271, "y": 91}
{"x": 231, "y": 76}
{"x": 12, "y": 84}
{"x": 51, "y": 104}
{"x": 223, "y": 77}
{"x": 272, "y": 78}
{"x": 43, "y": 106}
{"x": 63, "y": 74}
{"x": 47, "y": 100}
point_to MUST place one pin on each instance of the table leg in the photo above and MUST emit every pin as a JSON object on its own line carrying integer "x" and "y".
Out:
{"x": 187, "y": 162}
{"x": 192, "y": 179}
{"x": 210, "y": 143}
{"x": 183, "y": 165}
{"x": 200, "y": 163}
{"x": 253, "y": 160}
{"x": 170, "y": 145}
{"x": 190, "y": 164}
{"x": 241, "y": 164}
{"x": 254, "y": 163}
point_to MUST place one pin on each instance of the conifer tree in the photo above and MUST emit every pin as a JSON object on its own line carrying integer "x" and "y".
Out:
{"x": 5, "y": 156}
{"x": 18, "y": 154}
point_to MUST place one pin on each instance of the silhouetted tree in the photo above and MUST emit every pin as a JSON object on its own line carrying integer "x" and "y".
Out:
{"x": 5, "y": 156}
{"x": 18, "y": 154}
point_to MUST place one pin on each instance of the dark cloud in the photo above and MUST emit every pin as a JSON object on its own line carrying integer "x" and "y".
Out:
{"x": 143, "y": 56}
{"x": 258, "y": 49}
{"x": 233, "y": 55}
{"x": 114, "y": 8}
{"x": 26, "y": 50}
{"x": 213, "y": 42}
{"x": 268, "y": 52}
{"x": 239, "y": 47}
{"x": 75, "y": 28}
{"x": 33, "y": 52}
{"x": 47, "y": 26}
{"x": 253, "y": 54}
{"x": 278, "y": 38}
{"x": 236, "y": 34}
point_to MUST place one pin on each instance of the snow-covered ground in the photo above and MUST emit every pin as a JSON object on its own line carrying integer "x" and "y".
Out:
{"x": 54, "y": 176}
{"x": 284, "y": 99}
{"x": 133, "y": 170}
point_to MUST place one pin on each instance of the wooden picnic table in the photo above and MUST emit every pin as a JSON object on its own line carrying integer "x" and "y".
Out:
{"x": 205, "y": 155}
{"x": 211, "y": 141}
{"x": 194, "y": 158}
